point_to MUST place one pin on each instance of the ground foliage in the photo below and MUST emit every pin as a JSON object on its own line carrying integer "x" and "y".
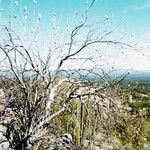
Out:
{"x": 119, "y": 119}
{"x": 128, "y": 127}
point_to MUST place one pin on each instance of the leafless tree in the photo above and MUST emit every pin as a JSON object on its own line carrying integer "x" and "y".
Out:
{"x": 31, "y": 87}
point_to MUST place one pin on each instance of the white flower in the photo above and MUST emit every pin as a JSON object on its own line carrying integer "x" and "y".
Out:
{"x": 106, "y": 17}
{"x": 76, "y": 12}
{"x": 54, "y": 14}
{"x": 25, "y": 8}
{"x": 16, "y": 2}
{"x": 15, "y": 16}
{"x": 39, "y": 17}
{"x": 34, "y": 1}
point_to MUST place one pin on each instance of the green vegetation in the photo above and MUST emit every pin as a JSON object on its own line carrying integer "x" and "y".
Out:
{"x": 130, "y": 125}
{"x": 136, "y": 95}
{"x": 118, "y": 117}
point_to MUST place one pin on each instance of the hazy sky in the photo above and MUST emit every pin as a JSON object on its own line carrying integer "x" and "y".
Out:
{"x": 132, "y": 14}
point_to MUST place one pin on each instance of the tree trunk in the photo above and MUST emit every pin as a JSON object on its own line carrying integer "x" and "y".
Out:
{"x": 21, "y": 145}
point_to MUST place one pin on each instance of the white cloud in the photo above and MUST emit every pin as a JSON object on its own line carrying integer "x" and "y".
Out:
{"x": 135, "y": 61}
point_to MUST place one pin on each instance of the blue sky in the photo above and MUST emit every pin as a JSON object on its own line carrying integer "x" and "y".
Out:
{"x": 132, "y": 14}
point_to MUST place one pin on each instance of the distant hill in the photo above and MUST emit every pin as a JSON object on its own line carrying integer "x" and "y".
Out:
{"x": 139, "y": 75}
{"x": 133, "y": 75}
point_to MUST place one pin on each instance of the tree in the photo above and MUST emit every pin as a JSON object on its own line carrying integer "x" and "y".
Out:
{"x": 32, "y": 88}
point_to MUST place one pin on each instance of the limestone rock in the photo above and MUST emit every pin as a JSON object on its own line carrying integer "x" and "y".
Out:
{"x": 2, "y": 102}
{"x": 64, "y": 142}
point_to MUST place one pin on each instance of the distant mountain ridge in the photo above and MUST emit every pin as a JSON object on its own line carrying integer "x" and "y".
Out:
{"x": 133, "y": 75}
{"x": 139, "y": 75}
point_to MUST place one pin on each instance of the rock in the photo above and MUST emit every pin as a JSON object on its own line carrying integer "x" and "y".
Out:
{"x": 4, "y": 146}
{"x": 2, "y": 107}
{"x": 64, "y": 142}
{"x": 2, "y": 103}
{"x": 102, "y": 141}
